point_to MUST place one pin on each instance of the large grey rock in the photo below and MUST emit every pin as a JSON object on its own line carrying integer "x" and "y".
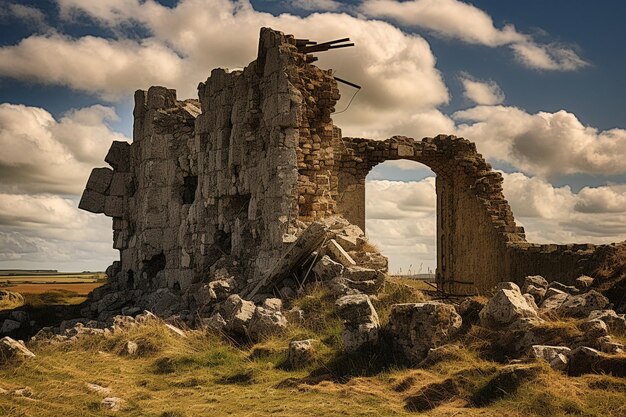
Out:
{"x": 505, "y": 307}
{"x": 551, "y": 304}
{"x": 586, "y": 360}
{"x": 361, "y": 323}
{"x": 416, "y": 328}
{"x": 556, "y": 356}
{"x": 214, "y": 323}
{"x": 237, "y": 314}
{"x": 266, "y": 322}
{"x": 536, "y": 281}
{"x": 326, "y": 269}
{"x": 615, "y": 322}
{"x": 301, "y": 352}
{"x": 10, "y": 348}
{"x": 581, "y": 305}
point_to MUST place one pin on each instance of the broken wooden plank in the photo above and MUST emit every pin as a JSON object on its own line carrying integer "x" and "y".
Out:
{"x": 310, "y": 240}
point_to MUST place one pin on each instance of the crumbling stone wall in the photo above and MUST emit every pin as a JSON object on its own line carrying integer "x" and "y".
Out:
{"x": 223, "y": 182}
{"x": 478, "y": 241}
{"x": 224, "y": 185}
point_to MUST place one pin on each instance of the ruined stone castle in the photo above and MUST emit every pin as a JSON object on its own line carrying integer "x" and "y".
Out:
{"x": 232, "y": 182}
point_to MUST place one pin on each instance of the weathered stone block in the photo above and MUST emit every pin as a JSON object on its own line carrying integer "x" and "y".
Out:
{"x": 99, "y": 180}
{"x": 416, "y": 328}
{"x": 92, "y": 201}
{"x": 119, "y": 156}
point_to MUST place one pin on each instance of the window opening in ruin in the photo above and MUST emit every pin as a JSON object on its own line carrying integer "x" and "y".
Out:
{"x": 130, "y": 279}
{"x": 153, "y": 266}
{"x": 176, "y": 287}
{"x": 400, "y": 216}
{"x": 190, "y": 185}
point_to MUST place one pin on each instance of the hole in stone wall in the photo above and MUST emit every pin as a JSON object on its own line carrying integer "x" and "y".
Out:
{"x": 130, "y": 279}
{"x": 222, "y": 240}
{"x": 176, "y": 287}
{"x": 153, "y": 266}
{"x": 190, "y": 185}
{"x": 401, "y": 216}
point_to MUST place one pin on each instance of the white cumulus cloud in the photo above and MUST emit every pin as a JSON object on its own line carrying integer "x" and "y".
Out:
{"x": 544, "y": 143}
{"x": 481, "y": 92}
{"x": 460, "y": 20}
{"x": 40, "y": 154}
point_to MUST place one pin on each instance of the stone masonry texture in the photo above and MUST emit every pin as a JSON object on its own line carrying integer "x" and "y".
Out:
{"x": 226, "y": 183}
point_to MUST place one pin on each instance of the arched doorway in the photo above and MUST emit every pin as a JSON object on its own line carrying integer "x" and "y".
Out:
{"x": 475, "y": 225}
{"x": 400, "y": 216}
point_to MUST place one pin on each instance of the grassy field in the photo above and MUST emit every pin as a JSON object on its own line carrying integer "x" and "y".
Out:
{"x": 207, "y": 374}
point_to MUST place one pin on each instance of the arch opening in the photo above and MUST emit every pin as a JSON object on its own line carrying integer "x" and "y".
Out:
{"x": 401, "y": 216}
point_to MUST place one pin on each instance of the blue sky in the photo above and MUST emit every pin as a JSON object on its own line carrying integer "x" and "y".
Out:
{"x": 537, "y": 85}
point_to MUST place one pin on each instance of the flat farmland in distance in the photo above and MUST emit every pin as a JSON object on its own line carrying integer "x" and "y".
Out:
{"x": 48, "y": 279}
{"x": 38, "y": 282}
{"x": 81, "y": 288}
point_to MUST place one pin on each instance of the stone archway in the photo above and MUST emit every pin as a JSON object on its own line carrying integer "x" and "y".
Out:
{"x": 474, "y": 221}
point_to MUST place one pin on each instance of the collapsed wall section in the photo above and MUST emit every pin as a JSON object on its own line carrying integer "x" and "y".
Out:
{"x": 223, "y": 182}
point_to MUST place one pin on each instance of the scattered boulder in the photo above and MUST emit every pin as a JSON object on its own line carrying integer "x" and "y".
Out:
{"x": 581, "y": 305}
{"x": 536, "y": 281}
{"x": 583, "y": 282}
{"x": 537, "y": 293}
{"x": 570, "y": 289}
{"x": 112, "y": 403}
{"x": 556, "y": 356}
{"x": 594, "y": 329}
{"x": 215, "y": 323}
{"x": 273, "y": 304}
{"x": 266, "y": 322}
{"x": 505, "y": 307}
{"x": 361, "y": 323}
{"x": 10, "y": 348}
{"x": 130, "y": 348}
{"x": 585, "y": 360}
{"x": 237, "y": 313}
{"x": 301, "y": 352}
{"x": 553, "y": 300}
{"x": 98, "y": 389}
{"x": 615, "y": 322}
{"x": 417, "y": 328}
{"x": 326, "y": 269}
